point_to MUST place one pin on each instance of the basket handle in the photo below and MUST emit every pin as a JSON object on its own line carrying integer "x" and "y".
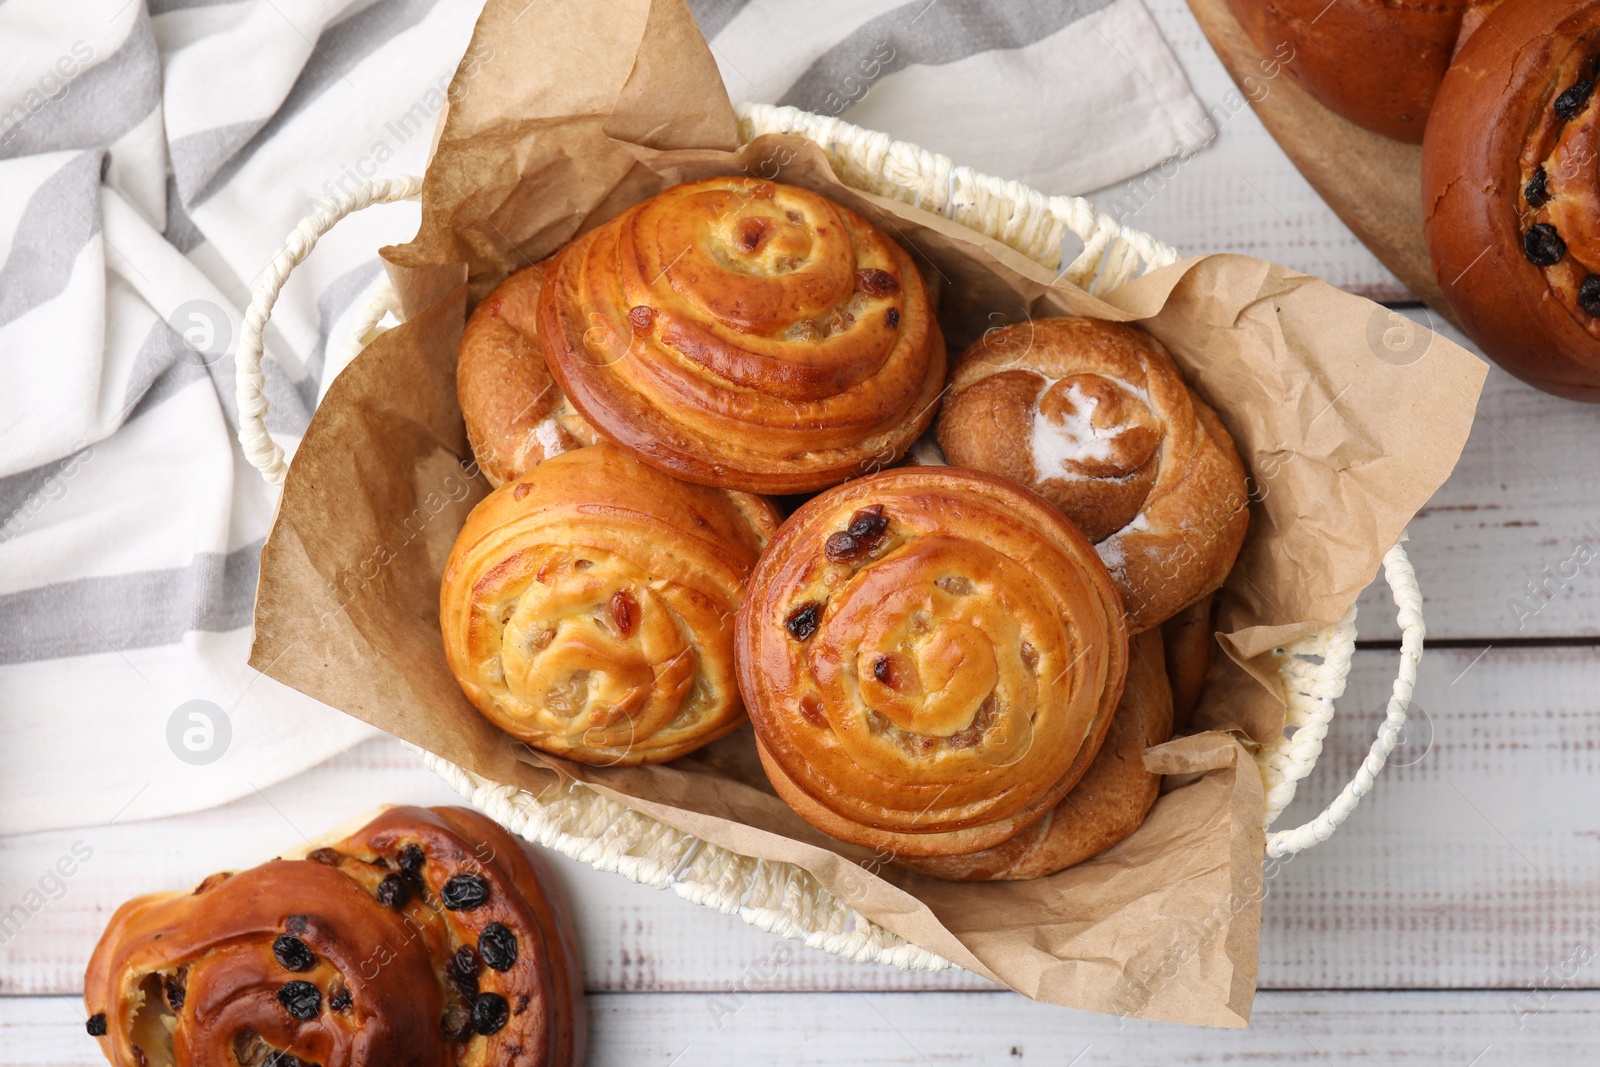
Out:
{"x": 1286, "y": 762}
{"x": 265, "y": 454}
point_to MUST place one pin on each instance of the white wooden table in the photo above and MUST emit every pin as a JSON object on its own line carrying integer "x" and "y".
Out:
{"x": 1455, "y": 920}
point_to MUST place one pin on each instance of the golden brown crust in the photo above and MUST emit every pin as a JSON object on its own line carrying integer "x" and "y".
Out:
{"x": 745, "y": 334}
{"x": 1095, "y": 417}
{"x": 930, "y": 657}
{"x": 205, "y": 977}
{"x": 515, "y": 413}
{"x": 1189, "y": 640}
{"x": 1108, "y": 803}
{"x": 1510, "y": 194}
{"x": 587, "y": 608}
{"x": 1378, "y": 63}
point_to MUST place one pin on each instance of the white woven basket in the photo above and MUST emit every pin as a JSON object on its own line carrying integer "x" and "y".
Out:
{"x": 781, "y": 897}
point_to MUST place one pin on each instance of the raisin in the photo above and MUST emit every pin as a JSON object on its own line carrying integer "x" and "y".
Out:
{"x": 138, "y": 1053}
{"x": 883, "y": 670}
{"x": 863, "y": 534}
{"x": 802, "y": 621}
{"x": 300, "y": 999}
{"x": 393, "y": 892}
{"x": 96, "y": 1024}
{"x": 328, "y": 856}
{"x": 464, "y": 892}
{"x": 410, "y": 860}
{"x": 457, "y": 1023}
{"x": 868, "y": 523}
{"x": 624, "y": 610}
{"x": 891, "y": 318}
{"x": 1569, "y": 103}
{"x": 340, "y": 1000}
{"x": 753, "y": 233}
{"x": 293, "y": 954}
{"x": 1543, "y": 245}
{"x": 1589, "y": 295}
{"x": 841, "y": 547}
{"x": 498, "y": 947}
{"x": 875, "y": 282}
{"x": 1537, "y": 191}
{"x": 522, "y": 489}
{"x": 640, "y": 316}
{"x": 176, "y": 988}
{"x": 489, "y": 1013}
{"x": 811, "y": 708}
{"x": 295, "y": 924}
{"x": 462, "y": 972}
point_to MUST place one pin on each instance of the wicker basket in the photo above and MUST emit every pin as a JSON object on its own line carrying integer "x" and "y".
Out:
{"x": 780, "y": 897}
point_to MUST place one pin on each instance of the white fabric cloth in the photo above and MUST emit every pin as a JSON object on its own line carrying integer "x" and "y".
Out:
{"x": 154, "y": 153}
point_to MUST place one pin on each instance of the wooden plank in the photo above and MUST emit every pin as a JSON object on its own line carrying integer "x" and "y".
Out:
{"x": 1497, "y": 548}
{"x": 1473, "y": 863}
{"x": 633, "y": 937}
{"x": 1452, "y": 1029}
{"x": 1419, "y": 890}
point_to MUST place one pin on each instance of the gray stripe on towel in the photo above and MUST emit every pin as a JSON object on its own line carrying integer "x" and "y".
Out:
{"x": 931, "y": 33}
{"x": 144, "y": 609}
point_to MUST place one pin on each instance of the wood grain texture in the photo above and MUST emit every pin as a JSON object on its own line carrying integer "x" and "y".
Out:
{"x": 1478, "y": 1029}
{"x": 1371, "y": 182}
{"x": 1471, "y": 865}
{"x": 1497, "y": 549}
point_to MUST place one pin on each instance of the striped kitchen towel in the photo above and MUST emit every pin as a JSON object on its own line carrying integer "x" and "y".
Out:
{"x": 154, "y": 153}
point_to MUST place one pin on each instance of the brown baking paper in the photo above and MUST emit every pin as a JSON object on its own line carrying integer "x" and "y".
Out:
{"x": 563, "y": 115}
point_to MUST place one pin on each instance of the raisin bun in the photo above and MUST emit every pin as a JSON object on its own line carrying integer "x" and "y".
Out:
{"x": 429, "y": 936}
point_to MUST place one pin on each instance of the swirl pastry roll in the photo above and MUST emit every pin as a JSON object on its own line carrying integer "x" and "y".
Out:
{"x": 515, "y": 413}
{"x": 1109, "y": 803}
{"x": 1511, "y": 192}
{"x": 1094, "y": 417}
{"x": 587, "y": 607}
{"x": 426, "y": 937}
{"x": 745, "y": 334}
{"x": 930, "y": 657}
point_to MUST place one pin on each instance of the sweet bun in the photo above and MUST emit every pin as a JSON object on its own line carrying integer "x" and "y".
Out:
{"x": 1108, "y": 803}
{"x": 1511, "y": 196}
{"x": 587, "y": 608}
{"x": 930, "y": 658}
{"x": 428, "y": 936}
{"x": 745, "y": 334}
{"x": 1110, "y": 434}
{"x": 516, "y": 415}
{"x": 1377, "y": 64}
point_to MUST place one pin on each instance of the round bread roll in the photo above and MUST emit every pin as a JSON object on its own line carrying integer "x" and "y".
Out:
{"x": 428, "y": 936}
{"x": 1511, "y": 197}
{"x": 1108, "y": 803}
{"x": 587, "y": 607}
{"x": 930, "y": 657}
{"x": 516, "y": 415}
{"x": 1378, "y": 64}
{"x": 746, "y": 335}
{"x": 1110, "y": 434}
